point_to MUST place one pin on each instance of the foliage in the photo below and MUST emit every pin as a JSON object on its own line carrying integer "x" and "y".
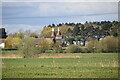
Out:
{"x": 45, "y": 45}
{"x": 76, "y": 30}
{"x": 86, "y": 31}
{"x": 46, "y": 32}
{"x": 20, "y": 35}
{"x": 12, "y": 42}
{"x": 84, "y": 50}
{"x": 69, "y": 40}
{"x": 3, "y": 34}
{"x": 28, "y": 48}
{"x": 57, "y": 48}
{"x": 17, "y": 34}
{"x": 34, "y": 35}
{"x": 108, "y": 44}
{"x": 91, "y": 46}
{"x": 69, "y": 32}
{"x": 74, "y": 49}
{"x": 114, "y": 30}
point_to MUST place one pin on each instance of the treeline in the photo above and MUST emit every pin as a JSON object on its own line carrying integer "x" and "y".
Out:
{"x": 89, "y": 37}
{"x": 3, "y": 34}
{"x": 109, "y": 44}
{"x": 85, "y": 32}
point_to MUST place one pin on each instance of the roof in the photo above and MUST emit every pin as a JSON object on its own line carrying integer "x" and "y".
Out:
{"x": 37, "y": 40}
{"x": 2, "y": 40}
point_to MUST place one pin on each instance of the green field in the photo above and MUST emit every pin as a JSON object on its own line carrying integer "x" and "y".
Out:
{"x": 87, "y": 65}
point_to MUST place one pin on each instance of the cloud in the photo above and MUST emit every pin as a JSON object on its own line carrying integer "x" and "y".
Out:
{"x": 81, "y": 8}
{"x": 17, "y": 4}
{"x": 31, "y": 9}
{"x": 28, "y": 15}
{"x": 60, "y": 0}
{"x": 11, "y": 28}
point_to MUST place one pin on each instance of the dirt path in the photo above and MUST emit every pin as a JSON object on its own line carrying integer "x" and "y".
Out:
{"x": 59, "y": 56}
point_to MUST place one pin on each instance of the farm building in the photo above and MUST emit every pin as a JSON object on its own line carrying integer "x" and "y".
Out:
{"x": 54, "y": 37}
{"x": 57, "y": 37}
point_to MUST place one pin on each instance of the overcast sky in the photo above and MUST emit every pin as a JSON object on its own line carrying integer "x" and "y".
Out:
{"x": 34, "y": 15}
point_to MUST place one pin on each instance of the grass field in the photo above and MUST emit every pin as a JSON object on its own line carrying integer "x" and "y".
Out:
{"x": 87, "y": 65}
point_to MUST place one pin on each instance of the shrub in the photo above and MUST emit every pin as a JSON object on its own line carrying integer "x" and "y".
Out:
{"x": 92, "y": 45}
{"x": 27, "y": 48}
{"x": 74, "y": 49}
{"x": 12, "y": 43}
{"x": 85, "y": 50}
{"x": 57, "y": 48}
{"x": 44, "y": 45}
{"x": 108, "y": 44}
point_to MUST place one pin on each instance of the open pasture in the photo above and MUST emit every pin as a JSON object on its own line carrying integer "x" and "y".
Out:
{"x": 87, "y": 65}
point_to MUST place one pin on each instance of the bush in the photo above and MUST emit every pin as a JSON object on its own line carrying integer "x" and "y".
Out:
{"x": 74, "y": 49}
{"x": 85, "y": 50}
{"x": 91, "y": 46}
{"x": 12, "y": 43}
{"x": 57, "y": 48}
{"x": 44, "y": 45}
{"x": 108, "y": 44}
{"x": 27, "y": 48}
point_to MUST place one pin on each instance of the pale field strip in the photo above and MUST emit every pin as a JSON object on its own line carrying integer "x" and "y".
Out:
{"x": 44, "y": 56}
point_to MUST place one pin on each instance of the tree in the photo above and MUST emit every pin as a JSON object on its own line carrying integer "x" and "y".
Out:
{"x": 13, "y": 34}
{"x": 28, "y": 48}
{"x": 59, "y": 24}
{"x": 16, "y": 42}
{"x": 12, "y": 42}
{"x": 49, "y": 26}
{"x": 91, "y": 46}
{"x": 3, "y": 34}
{"x": 85, "y": 33}
{"x": 76, "y": 31}
{"x": 69, "y": 40}
{"x": 46, "y": 32}
{"x": 27, "y": 33}
{"x": 108, "y": 44}
{"x": 69, "y": 32}
{"x": 20, "y": 35}
{"x": 34, "y": 35}
{"x": 114, "y": 30}
{"x": 45, "y": 45}
{"x": 57, "y": 47}
{"x": 8, "y": 42}
{"x": 53, "y": 25}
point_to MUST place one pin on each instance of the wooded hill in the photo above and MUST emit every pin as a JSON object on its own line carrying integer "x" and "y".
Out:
{"x": 86, "y": 31}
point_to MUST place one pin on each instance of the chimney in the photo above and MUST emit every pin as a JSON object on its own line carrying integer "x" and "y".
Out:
{"x": 58, "y": 33}
{"x": 53, "y": 33}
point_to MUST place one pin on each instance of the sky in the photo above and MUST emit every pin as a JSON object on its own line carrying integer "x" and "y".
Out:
{"x": 34, "y": 16}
